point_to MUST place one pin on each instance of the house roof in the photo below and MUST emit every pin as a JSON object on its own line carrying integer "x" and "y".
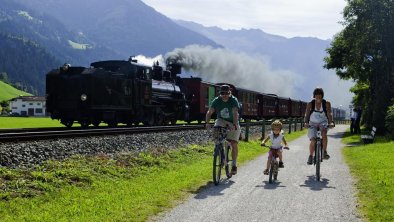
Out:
{"x": 29, "y": 98}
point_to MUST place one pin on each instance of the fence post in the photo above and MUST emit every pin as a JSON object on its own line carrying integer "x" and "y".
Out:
{"x": 247, "y": 130}
{"x": 289, "y": 119}
{"x": 302, "y": 123}
{"x": 295, "y": 124}
{"x": 263, "y": 129}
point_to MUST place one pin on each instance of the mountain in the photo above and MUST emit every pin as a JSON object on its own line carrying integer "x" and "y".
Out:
{"x": 127, "y": 26}
{"x": 21, "y": 21}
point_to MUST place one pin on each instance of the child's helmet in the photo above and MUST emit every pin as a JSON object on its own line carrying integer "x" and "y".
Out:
{"x": 277, "y": 124}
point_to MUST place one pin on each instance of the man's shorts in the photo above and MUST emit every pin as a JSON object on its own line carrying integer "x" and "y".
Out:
{"x": 232, "y": 134}
{"x": 313, "y": 130}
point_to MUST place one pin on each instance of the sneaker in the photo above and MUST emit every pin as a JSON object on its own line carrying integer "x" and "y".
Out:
{"x": 281, "y": 165}
{"x": 310, "y": 159}
{"x": 326, "y": 156}
{"x": 233, "y": 170}
{"x": 266, "y": 172}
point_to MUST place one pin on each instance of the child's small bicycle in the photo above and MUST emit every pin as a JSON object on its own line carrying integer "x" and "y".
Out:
{"x": 274, "y": 164}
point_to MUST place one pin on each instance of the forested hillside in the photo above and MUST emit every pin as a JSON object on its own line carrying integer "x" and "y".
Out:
{"x": 25, "y": 63}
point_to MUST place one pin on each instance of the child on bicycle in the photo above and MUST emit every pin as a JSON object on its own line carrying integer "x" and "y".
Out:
{"x": 276, "y": 136}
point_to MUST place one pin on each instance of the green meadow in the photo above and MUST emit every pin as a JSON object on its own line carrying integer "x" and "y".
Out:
{"x": 372, "y": 166}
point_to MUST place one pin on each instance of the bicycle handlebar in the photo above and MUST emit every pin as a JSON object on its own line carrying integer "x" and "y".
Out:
{"x": 284, "y": 147}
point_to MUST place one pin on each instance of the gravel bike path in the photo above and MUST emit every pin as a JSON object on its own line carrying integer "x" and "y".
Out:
{"x": 295, "y": 196}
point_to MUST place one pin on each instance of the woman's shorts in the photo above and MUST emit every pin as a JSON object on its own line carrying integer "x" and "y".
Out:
{"x": 312, "y": 130}
{"x": 232, "y": 134}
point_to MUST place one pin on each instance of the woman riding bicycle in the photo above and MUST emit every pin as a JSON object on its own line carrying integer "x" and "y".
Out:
{"x": 318, "y": 115}
{"x": 226, "y": 107}
{"x": 276, "y": 136}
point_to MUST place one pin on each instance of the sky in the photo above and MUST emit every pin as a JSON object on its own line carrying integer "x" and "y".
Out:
{"x": 288, "y": 18}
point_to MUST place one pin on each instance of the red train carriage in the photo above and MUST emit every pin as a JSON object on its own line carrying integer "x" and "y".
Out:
{"x": 199, "y": 95}
{"x": 284, "y": 107}
{"x": 249, "y": 102}
{"x": 303, "y": 108}
{"x": 267, "y": 105}
{"x": 297, "y": 108}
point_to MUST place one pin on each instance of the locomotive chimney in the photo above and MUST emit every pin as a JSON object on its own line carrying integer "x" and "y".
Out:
{"x": 174, "y": 67}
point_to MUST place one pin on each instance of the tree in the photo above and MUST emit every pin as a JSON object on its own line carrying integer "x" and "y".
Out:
{"x": 363, "y": 51}
{"x": 4, "y": 77}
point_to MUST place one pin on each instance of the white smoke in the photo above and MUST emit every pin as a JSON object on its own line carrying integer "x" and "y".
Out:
{"x": 221, "y": 65}
{"x": 150, "y": 61}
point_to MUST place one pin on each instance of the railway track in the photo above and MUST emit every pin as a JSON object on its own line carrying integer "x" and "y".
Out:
{"x": 16, "y": 135}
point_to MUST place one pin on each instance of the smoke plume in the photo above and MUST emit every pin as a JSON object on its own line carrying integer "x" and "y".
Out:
{"x": 221, "y": 65}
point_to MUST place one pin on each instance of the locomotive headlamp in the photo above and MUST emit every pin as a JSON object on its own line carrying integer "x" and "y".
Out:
{"x": 84, "y": 97}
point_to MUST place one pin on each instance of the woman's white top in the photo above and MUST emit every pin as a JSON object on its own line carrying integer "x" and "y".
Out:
{"x": 276, "y": 142}
{"x": 318, "y": 116}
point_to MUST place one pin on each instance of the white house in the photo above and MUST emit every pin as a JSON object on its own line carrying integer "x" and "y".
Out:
{"x": 28, "y": 106}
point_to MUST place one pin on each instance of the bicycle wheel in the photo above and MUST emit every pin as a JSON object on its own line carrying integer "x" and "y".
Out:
{"x": 276, "y": 170}
{"x": 228, "y": 160}
{"x": 318, "y": 159}
{"x": 217, "y": 164}
{"x": 271, "y": 171}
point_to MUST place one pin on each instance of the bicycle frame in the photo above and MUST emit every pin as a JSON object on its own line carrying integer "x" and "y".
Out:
{"x": 274, "y": 167}
{"x": 318, "y": 152}
{"x": 221, "y": 153}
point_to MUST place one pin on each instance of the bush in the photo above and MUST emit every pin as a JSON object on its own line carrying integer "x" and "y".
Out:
{"x": 390, "y": 121}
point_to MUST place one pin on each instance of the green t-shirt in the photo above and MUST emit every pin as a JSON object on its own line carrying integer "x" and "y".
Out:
{"x": 224, "y": 110}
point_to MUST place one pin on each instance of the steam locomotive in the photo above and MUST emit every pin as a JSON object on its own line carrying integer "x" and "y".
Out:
{"x": 127, "y": 92}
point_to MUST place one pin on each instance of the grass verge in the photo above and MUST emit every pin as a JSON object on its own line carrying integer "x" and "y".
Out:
{"x": 373, "y": 168}
{"x": 126, "y": 187}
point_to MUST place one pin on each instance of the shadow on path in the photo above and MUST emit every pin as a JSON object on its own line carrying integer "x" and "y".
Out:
{"x": 315, "y": 185}
{"x": 211, "y": 190}
{"x": 271, "y": 186}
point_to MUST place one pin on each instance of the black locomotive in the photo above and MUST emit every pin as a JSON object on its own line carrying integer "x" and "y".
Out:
{"x": 115, "y": 92}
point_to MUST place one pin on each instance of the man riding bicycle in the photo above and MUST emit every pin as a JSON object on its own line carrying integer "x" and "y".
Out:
{"x": 318, "y": 115}
{"x": 226, "y": 107}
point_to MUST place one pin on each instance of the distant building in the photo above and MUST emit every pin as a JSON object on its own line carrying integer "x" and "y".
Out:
{"x": 28, "y": 106}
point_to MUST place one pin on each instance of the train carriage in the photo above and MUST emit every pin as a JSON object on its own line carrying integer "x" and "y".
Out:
{"x": 199, "y": 95}
{"x": 248, "y": 100}
{"x": 267, "y": 107}
{"x": 284, "y": 107}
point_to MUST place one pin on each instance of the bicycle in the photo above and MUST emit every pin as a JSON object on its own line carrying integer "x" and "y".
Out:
{"x": 319, "y": 152}
{"x": 274, "y": 164}
{"x": 221, "y": 154}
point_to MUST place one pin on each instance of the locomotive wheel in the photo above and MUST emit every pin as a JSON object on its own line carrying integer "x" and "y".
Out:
{"x": 173, "y": 121}
{"x": 159, "y": 119}
{"x": 67, "y": 123}
{"x": 96, "y": 123}
{"x": 84, "y": 124}
{"x": 112, "y": 124}
{"x": 149, "y": 120}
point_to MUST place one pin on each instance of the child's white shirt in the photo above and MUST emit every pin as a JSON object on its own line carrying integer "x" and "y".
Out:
{"x": 276, "y": 142}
